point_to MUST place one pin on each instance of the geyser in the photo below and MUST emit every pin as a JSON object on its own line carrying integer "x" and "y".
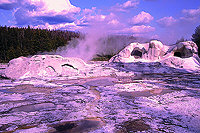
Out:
{"x": 182, "y": 55}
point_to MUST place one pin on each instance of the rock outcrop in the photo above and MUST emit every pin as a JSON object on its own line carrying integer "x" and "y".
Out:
{"x": 156, "y": 50}
{"x": 43, "y": 66}
{"x": 184, "y": 49}
{"x": 182, "y": 55}
{"x": 152, "y": 51}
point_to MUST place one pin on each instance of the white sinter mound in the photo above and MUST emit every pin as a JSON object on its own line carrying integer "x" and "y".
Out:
{"x": 43, "y": 66}
{"x": 183, "y": 55}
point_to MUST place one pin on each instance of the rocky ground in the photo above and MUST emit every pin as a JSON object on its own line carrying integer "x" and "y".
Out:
{"x": 119, "y": 98}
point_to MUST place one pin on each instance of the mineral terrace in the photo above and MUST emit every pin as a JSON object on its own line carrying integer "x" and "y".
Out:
{"x": 145, "y": 88}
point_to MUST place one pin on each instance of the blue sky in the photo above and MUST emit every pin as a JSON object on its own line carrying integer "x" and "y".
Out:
{"x": 167, "y": 20}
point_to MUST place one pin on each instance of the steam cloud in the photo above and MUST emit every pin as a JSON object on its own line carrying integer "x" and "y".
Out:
{"x": 98, "y": 39}
{"x": 86, "y": 47}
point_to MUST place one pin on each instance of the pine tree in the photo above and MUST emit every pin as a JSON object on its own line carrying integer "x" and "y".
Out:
{"x": 196, "y": 38}
{"x": 15, "y": 42}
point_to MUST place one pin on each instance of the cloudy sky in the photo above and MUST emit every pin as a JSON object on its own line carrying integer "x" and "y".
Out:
{"x": 167, "y": 20}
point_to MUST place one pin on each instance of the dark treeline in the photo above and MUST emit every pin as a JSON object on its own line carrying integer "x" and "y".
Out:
{"x": 16, "y": 42}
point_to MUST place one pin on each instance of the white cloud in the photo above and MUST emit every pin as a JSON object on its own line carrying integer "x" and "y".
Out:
{"x": 64, "y": 26}
{"x": 155, "y": 36}
{"x": 114, "y": 22}
{"x": 89, "y": 11}
{"x": 191, "y": 15}
{"x": 129, "y": 4}
{"x": 8, "y": 4}
{"x": 139, "y": 29}
{"x": 125, "y": 6}
{"x": 52, "y": 7}
{"x": 7, "y": 1}
{"x": 89, "y": 16}
{"x": 142, "y": 29}
{"x": 97, "y": 18}
{"x": 142, "y": 18}
{"x": 150, "y": 0}
{"x": 90, "y": 19}
{"x": 53, "y": 12}
{"x": 37, "y": 12}
{"x": 93, "y": 18}
{"x": 166, "y": 21}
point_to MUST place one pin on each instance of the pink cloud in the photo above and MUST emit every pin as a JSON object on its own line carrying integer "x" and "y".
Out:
{"x": 125, "y": 6}
{"x": 192, "y": 12}
{"x": 8, "y": 4}
{"x": 114, "y": 22}
{"x": 139, "y": 29}
{"x": 166, "y": 21}
{"x": 142, "y": 18}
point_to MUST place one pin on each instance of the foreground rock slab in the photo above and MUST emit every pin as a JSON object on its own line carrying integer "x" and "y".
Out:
{"x": 105, "y": 97}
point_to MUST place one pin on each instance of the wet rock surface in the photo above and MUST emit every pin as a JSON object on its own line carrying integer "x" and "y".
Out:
{"x": 119, "y": 98}
{"x": 133, "y": 126}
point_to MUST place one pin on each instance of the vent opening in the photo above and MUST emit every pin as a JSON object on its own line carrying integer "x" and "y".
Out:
{"x": 136, "y": 54}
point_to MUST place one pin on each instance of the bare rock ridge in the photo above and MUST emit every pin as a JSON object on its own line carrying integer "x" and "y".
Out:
{"x": 183, "y": 55}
